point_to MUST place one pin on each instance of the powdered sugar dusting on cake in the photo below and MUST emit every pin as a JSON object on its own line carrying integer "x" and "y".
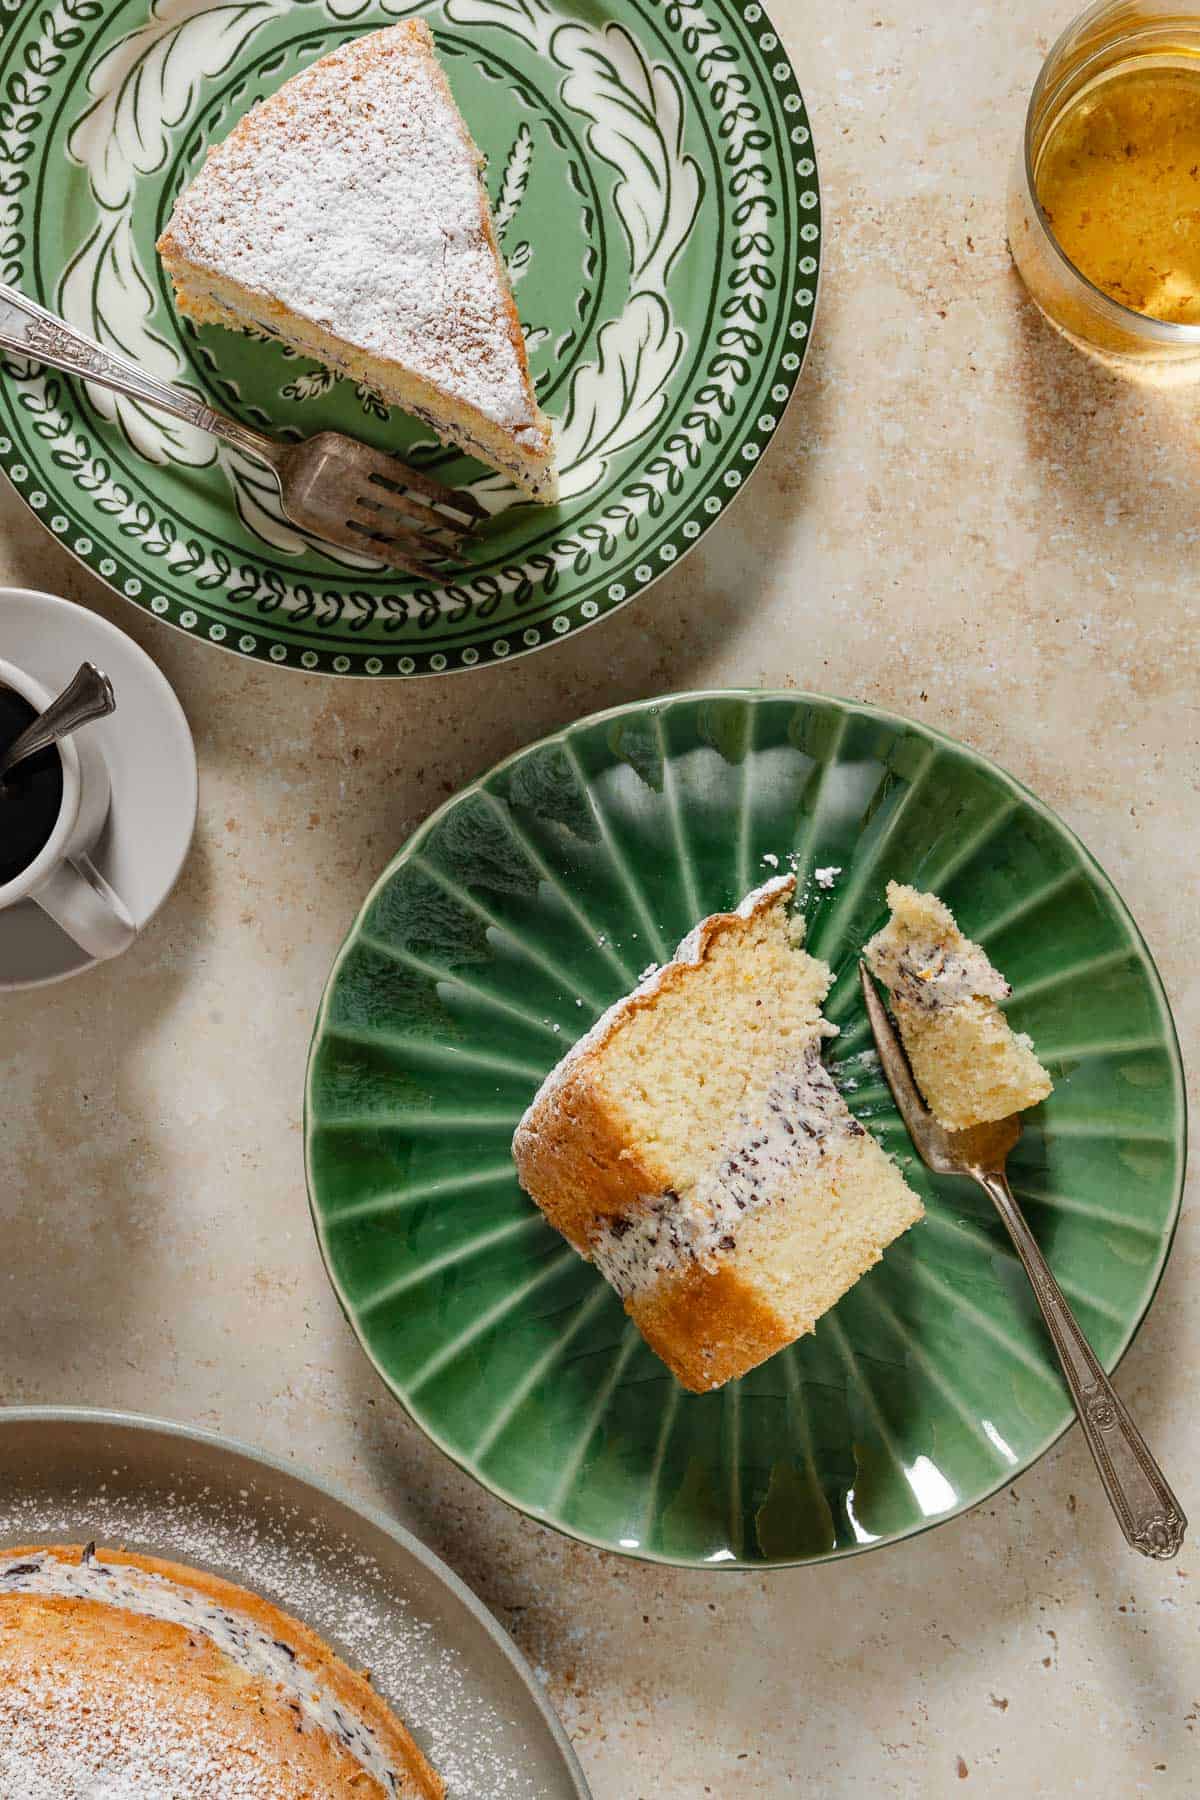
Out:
{"x": 353, "y": 197}
{"x": 56, "y": 1743}
{"x": 328, "y": 1582}
{"x": 689, "y": 950}
{"x": 237, "y": 1636}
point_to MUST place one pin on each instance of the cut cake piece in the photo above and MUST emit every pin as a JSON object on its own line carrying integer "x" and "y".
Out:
{"x": 346, "y": 216}
{"x": 124, "y": 1675}
{"x": 968, "y": 1062}
{"x": 694, "y": 1147}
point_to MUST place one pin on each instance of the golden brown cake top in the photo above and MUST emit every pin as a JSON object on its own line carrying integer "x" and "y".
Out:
{"x": 126, "y": 1676}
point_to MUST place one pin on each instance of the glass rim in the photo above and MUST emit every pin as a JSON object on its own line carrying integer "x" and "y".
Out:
{"x": 1137, "y": 324}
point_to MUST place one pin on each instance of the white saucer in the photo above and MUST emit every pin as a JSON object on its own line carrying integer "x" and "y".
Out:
{"x": 151, "y": 761}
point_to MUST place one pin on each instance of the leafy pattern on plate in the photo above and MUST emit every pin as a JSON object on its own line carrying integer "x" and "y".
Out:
{"x": 653, "y": 172}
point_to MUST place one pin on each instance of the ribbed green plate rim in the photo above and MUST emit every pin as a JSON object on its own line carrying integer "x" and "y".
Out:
{"x": 1111, "y": 1338}
{"x": 652, "y": 169}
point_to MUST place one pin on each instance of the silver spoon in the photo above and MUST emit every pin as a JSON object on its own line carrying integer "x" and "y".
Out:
{"x": 88, "y": 695}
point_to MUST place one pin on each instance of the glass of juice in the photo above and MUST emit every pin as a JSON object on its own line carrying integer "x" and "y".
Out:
{"x": 1104, "y": 204}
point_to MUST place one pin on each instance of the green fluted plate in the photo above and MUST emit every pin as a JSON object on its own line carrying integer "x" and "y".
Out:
{"x": 536, "y": 897}
{"x": 652, "y": 175}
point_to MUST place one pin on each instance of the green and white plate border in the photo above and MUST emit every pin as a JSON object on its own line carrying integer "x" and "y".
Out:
{"x": 649, "y": 508}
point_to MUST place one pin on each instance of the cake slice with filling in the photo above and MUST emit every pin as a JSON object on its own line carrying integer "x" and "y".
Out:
{"x": 694, "y": 1147}
{"x": 967, "y": 1060}
{"x": 346, "y": 216}
{"x": 124, "y": 1675}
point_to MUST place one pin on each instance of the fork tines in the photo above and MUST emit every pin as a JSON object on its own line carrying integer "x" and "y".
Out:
{"x": 415, "y": 481}
{"x": 417, "y": 533}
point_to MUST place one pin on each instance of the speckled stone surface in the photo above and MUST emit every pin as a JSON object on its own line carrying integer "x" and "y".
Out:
{"x": 962, "y": 518}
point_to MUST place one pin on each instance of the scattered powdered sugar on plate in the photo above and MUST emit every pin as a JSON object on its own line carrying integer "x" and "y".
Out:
{"x": 386, "y": 1620}
{"x": 825, "y": 878}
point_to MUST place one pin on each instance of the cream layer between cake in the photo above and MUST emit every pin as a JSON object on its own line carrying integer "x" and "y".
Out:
{"x": 695, "y": 1148}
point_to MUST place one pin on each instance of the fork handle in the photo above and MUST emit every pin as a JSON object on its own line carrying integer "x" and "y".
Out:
{"x": 1147, "y": 1511}
{"x": 32, "y": 331}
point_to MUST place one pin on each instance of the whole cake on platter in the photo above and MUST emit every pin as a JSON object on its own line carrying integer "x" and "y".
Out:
{"x": 695, "y": 1148}
{"x": 123, "y": 1676}
{"x": 967, "y": 1060}
{"x": 346, "y": 216}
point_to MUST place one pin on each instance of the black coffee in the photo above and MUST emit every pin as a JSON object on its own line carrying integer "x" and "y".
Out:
{"x": 30, "y": 795}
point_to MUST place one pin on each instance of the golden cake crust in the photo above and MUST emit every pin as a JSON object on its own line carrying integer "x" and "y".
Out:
{"x": 141, "y": 1671}
{"x": 708, "y": 1326}
{"x": 571, "y": 1152}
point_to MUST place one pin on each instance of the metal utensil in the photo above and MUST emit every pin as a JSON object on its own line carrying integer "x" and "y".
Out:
{"x": 329, "y": 485}
{"x": 88, "y": 695}
{"x": 1147, "y": 1511}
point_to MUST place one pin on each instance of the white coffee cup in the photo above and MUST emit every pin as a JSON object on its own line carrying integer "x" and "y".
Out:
{"x": 61, "y": 878}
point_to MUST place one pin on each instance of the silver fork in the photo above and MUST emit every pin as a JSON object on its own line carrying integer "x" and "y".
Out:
{"x": 1147, "y": 1511}
{"x": 329, "y": 485}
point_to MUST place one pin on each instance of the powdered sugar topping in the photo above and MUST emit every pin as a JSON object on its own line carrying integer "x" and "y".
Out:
{"x": 353, "y": 196}
{"x": 238, "y": 1637}
{"x": 56, "y": 1743}
{"x": 289, "y": 1556}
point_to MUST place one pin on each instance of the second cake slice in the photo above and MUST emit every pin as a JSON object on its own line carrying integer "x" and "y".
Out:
{"x": 694, "y": 1147}
{"x": 347, "y": 217}
{"x": 968, "y": 1062}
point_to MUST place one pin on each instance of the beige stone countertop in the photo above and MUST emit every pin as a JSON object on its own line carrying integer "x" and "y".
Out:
{"x": 963, "y": 519}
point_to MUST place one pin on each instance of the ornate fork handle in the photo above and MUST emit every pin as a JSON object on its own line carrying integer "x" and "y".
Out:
{"x": 1147, "y": 1511}
{"x": 32, "y": 331}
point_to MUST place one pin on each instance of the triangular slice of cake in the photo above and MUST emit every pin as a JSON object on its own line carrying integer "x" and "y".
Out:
{"x": 346, "y": 216}
{"x": 695, "y": 1148}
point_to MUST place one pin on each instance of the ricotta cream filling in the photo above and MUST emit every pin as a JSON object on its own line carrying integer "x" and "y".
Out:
{"x": 783, "y": 1132}
{"x": 928, "y": 973}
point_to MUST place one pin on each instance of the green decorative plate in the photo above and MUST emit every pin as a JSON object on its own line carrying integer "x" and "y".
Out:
{"x": 652, "y": 174}
{"x": 531, "y": 901}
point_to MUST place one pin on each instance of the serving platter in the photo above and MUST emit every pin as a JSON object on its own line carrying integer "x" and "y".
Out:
{"x": 655, "y": 190}
{"x": 530, "y": 902}
{"x": 369, "y": 1587}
